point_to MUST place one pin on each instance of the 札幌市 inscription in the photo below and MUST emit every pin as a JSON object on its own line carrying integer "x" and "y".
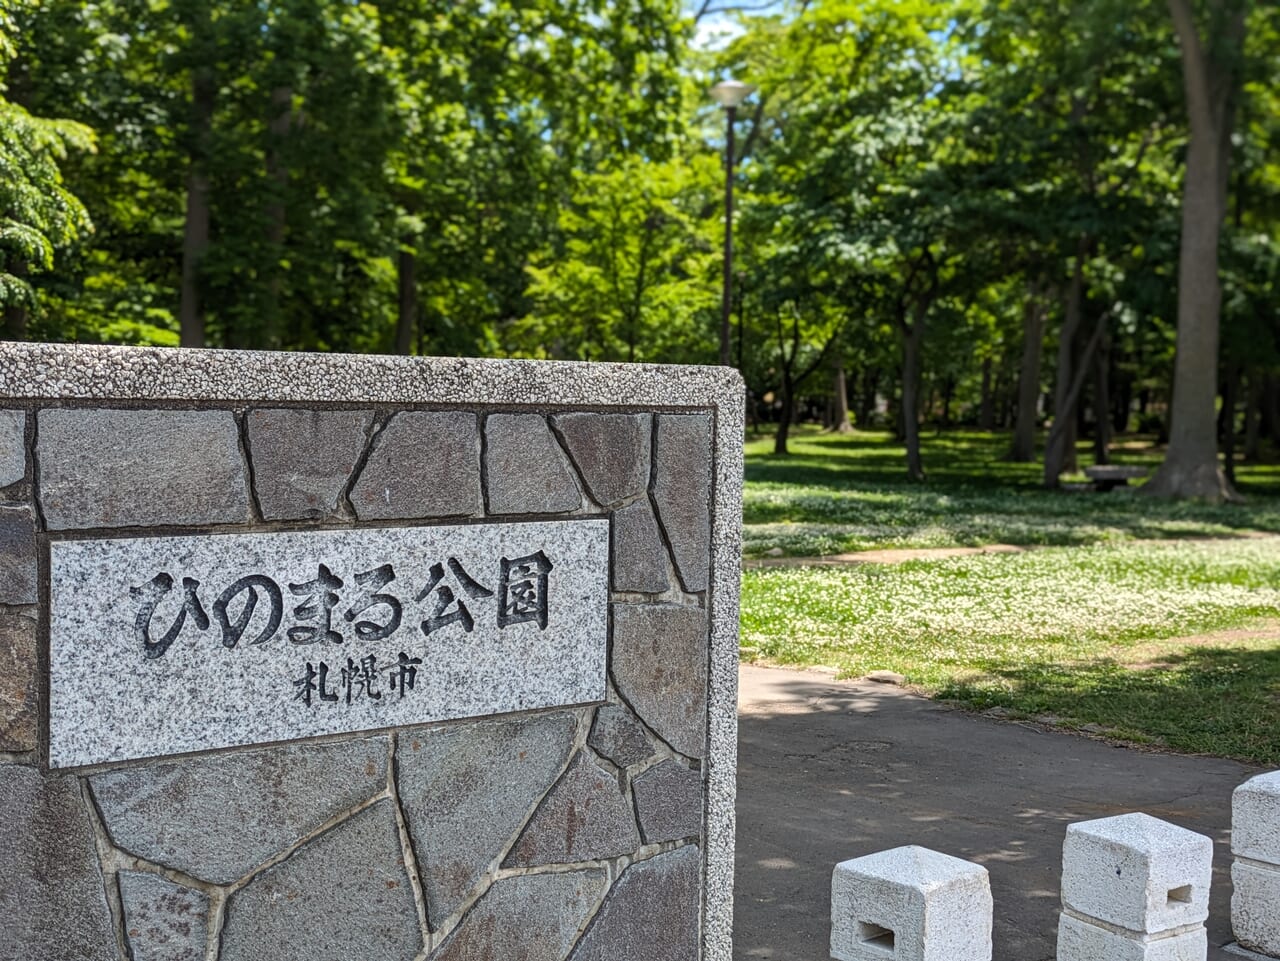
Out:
{"x": 165, "y": 645}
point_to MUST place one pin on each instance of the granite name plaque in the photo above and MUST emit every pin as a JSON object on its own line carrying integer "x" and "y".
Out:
{"x": 167, "y": 645}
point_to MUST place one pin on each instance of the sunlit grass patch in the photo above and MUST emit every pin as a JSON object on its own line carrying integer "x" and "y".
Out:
{"x": 1081, "y": 634}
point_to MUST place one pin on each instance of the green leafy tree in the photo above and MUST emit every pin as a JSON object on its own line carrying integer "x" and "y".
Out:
{"x": 39, "y": 214}
{"x": 856, "y": 181}
{"x": 632, "y": 277}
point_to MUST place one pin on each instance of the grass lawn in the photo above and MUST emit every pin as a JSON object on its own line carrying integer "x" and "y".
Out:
{"x": 1172, "y": 643}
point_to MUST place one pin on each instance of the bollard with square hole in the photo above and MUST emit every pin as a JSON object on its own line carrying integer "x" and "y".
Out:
{"x": 910, "y": 904}
{"x": 1134, "y": 888}
{"x": 1255, "y": 875}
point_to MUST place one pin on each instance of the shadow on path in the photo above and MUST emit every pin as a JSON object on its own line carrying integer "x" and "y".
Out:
{"x": 831, "y": 770}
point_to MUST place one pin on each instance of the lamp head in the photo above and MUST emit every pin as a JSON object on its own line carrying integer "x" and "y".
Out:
{"x": 731, "y": 93}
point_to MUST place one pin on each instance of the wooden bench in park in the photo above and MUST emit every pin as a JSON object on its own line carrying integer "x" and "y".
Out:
{"x": 1108, "y": 476}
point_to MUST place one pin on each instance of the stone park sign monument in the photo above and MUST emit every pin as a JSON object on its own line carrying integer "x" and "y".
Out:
{"x": 360, "y": 658}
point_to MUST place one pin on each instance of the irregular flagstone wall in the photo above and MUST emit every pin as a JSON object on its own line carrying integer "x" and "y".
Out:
{"x": 591, "y": 833}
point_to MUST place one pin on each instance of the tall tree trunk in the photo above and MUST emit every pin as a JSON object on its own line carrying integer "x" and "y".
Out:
{"x": 1253, "y": 417}
{"x": 987, "y": 408}
{"x": 1024, "y": 431}
{"x": 1072, "y": 316}
{"x": 870, "y": 382}
{"x": 1210, "y": 79}
{"x": 1123, "y": 404}
{"x": 912, "y": 350}
{"x": 1102, "y": 404}
{"x": 1271, "y": 408}
{"x": 840, "y": 387}
{"x": 742, "y": 326}
{"x": 1230, "y": 391}
{"x": 892, "y": 393}
{"x": 407, "y": 300}
{"x": 195, "y": 234}
{"x": 787, "y": 414}
{"x": 1064, "y": 427}
{"x": 1070, "y": 446}
{"x": 277, "y": 212}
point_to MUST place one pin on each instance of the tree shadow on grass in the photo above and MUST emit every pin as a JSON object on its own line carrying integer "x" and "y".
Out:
{"x": 1223, "y": 701}
{"x": 970, "y": 460}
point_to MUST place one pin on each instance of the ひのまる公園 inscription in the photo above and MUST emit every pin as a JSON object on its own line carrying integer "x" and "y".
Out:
{"x": 523, "y": 598}
{"x": 164, "y": 645}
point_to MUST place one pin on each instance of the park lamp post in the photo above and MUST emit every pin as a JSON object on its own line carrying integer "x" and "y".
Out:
{"x": 729, "y": 94}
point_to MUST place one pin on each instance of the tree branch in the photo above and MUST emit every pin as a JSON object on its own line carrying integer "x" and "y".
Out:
{"x": 1147, "y": 140}
{"x": 822, "y": 355}
{"x": 757, "y": 118}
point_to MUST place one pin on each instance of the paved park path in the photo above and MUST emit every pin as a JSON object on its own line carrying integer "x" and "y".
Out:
{"x": 830, "y": 770}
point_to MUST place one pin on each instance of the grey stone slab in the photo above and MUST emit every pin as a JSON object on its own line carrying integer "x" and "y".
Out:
{"x": 19, "y": 574}
{"x": 651, "y": 912}
{"x": 639, "y": 555}
{"x": 18, "y": 698}
{"x": 660, "y": 667}
{"x": 532, "y": 918}
{"x": 460, "y": 641}
{"x": 220, "y": 816}
{"x": 611, "y": 452}
{"x": 53, "y": 904}
{"x": 163, "y": 921}
{"x": 466, "y": 790}
{"x": 13, "y": 446}
{"x": 585, "y": 818}
{"x": 106, "y": 374}
{"x": 302, "y": 459}
{"x": 344, "y": 895}
{"x": 526, "y": 472}
{"x": 669, "y": 802}
{"x": 423, "y": 464}
{"x": 140, "y": 468}
{"x": 617, "y": 734}
{"x": 682, "y": 491}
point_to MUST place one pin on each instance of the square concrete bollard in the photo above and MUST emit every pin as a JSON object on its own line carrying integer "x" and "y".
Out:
{"x": 1137, "y": 872}
{"x": 910, "y": 904}
{"x": 1255, "y": 819}
{"x": 1079, "y": 940}
{"x": 1255, "y": 907}
{"x": 1134, "y": 887}
{"x": 1255, "y": 876}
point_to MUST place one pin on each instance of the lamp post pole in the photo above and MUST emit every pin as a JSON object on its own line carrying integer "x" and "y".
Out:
{"x": 726, "y": 306}
{"x": 729, "y": 94}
